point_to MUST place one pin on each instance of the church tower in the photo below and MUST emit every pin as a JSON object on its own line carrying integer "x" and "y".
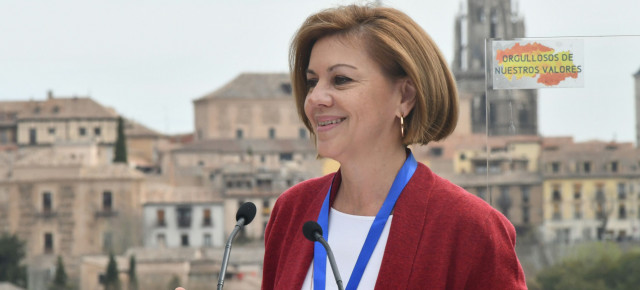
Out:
{"x": 509, "y": 112}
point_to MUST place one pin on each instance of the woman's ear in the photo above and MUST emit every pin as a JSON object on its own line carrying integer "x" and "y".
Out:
{"x": 408, "y": 90}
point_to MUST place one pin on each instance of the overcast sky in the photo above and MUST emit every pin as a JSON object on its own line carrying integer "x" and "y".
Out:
{"x": 150, "y": 59}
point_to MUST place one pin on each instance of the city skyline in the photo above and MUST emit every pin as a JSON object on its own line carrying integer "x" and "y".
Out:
{"x": 150, "y": 60}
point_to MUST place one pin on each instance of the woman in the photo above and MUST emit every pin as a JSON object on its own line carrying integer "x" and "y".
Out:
{"x": 368, "y": 82}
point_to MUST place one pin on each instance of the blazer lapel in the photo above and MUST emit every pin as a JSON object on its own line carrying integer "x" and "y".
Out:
{"x": 409, "y": 217}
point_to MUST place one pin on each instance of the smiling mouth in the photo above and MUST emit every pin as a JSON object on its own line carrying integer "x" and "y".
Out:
{"x": 327, "y": 123}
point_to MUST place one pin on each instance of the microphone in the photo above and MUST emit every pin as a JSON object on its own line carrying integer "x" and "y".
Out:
{"x": 244, "y": 216}
{"x": 313, "y": 232}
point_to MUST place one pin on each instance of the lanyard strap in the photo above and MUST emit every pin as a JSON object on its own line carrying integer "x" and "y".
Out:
{"x": 319, "y": 253}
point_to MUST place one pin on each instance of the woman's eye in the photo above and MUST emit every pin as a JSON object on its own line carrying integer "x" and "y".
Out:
{"x": 311, "y": 84}
{"x": 341, "y": 80}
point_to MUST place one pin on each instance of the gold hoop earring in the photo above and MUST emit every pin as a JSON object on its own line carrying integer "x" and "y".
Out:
{"x": 402, "y": 126}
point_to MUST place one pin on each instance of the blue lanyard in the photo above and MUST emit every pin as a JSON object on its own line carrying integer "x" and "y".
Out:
{"x": 319, "y": 253}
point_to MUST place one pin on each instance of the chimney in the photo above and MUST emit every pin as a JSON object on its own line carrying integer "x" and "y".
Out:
{"x": 49, "y": 94}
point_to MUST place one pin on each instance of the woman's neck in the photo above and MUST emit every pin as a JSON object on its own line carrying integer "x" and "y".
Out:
{"x": 366, "y": 182}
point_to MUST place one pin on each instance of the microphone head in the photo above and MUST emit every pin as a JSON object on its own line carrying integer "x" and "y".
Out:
{"x": 247, "y": 211}
{"x": 310, "y": 228}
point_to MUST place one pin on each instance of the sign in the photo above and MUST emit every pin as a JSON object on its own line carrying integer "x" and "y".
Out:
{"x": 529, "y": 64}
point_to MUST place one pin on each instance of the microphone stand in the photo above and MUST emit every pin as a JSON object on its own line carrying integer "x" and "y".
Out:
{"x": 332, "y": 260}
{"x": 227, "y": 252}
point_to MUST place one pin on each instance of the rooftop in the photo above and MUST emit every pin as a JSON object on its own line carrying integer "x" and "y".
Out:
{"x": 254, "y": 86}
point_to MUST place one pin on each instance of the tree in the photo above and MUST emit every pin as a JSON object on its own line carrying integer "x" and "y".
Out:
{"x": 175, "y": 282}
{"x": 594, "y": 266}
{"x": 133, "y": 280}
{"x": 120, "y": 154}
{"x": 112, "y": 281}
{"x": 60, "y": 278}
{"x": 11, "y": 254}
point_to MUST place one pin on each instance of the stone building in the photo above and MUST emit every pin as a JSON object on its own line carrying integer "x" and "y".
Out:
{"x": 503, "y": 171}
{"x": 182, "y": 217}
{"x": 249, "y": 146}
{"x": 56, "y": 119}
{"x": 590, "y": 190}
{"x": 64, "y": 202}
{"x": 508, "y": 112}
{"x": 251, "y": 106}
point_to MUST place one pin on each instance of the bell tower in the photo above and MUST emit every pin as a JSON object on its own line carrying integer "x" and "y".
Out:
{"x": 508, "y": 112}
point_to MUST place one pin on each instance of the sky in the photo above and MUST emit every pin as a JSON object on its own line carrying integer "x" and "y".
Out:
{"x": 149, "y": 59}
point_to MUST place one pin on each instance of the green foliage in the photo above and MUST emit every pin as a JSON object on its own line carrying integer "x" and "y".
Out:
{"x": 598, "y": 266}
{"x": 60, "y": 278}
{"x": 175, "y": 282}
{"x": 112, "y": 281}
{"x": 133, "y": 280}
{"x": 120, "y": 154}
{"x": 11, "y": 254}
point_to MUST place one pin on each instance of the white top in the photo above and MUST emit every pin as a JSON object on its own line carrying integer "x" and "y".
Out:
{"x": 346, "y": 238}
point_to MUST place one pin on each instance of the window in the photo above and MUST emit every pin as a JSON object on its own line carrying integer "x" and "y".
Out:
{"x": 577, "y": 211}
{"x": 504, "y": 201}
{"x": 286, "y": 156}
{"x": 482, "y": 192}
{"x": 48, "y": 243}
{"x": 555, "y": 167}
{"x": 160, "y": 218}
{"x": 436, "y": 151}
{"x": 46, "y": 202}
{"x": 557, "y": 195}
{"x": 525, "y": 214}
{"x": 614, "y": 166}
{"x": 207, "y": 240}
{"x": 4, "y": 138}
{"x": 97, "y": 131}
{"x": 82, "y": 131}
{"x": 52, "y": 130}
{"x": 239, "y": 134}
{"x": 272, "y": 133}
{"x": 302, "y": 133}
{"x": 184, "y": 240}
{"x": 161, "y": 240}
{"x": 206, "y": 218}
{"x": 622, "y": 212}
{"x": 184, "y": 217}
{"x": 577, "y": 191}
{"x": 622, "y": 193}
{"x": 32, "y": 136}
{"x": 107, "y": 201}
{"x": 266, "y": 206}
{"x": 526, "y": 193}
{"x": 263, "y": 184}
{"x": 587, "y": 167}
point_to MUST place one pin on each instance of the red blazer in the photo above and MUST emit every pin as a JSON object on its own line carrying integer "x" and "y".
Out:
{"x": 441, "y": 237}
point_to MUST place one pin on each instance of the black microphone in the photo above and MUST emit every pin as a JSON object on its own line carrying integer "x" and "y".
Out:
{"x": 244, "y": 216}
{"x": 313, "y": 232}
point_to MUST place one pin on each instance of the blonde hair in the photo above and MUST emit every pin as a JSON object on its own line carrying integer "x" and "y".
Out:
{"x": 401, "y": 48}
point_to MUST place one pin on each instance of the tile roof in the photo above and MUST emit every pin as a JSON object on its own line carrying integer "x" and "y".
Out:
{"x": 135, "y": 129}
{"x": 57, "y": 108}
{"x": 254, "y": 86}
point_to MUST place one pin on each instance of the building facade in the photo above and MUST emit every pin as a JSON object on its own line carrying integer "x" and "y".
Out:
{"x": 590, "y": 190}
{"x": 62, "y": 202}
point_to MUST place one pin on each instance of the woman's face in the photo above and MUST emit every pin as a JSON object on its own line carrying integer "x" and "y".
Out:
{"x": 351, "y": 103}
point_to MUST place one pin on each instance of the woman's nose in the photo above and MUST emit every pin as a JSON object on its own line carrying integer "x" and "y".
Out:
{"x": 319, "y": 96}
